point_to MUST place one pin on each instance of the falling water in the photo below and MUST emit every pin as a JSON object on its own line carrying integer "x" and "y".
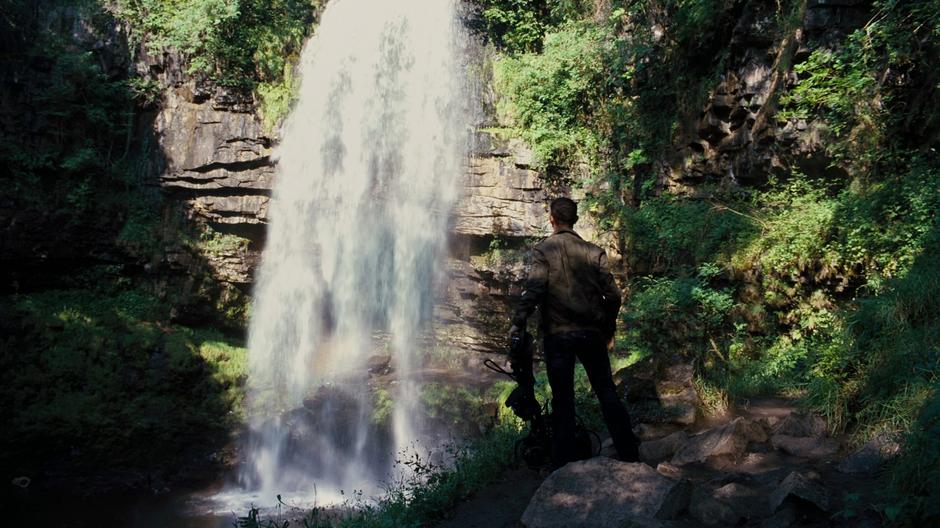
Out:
{"x": 366, "y": 180}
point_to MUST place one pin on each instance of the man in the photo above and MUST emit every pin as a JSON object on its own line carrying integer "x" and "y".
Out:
{"x": 569, "y": 281}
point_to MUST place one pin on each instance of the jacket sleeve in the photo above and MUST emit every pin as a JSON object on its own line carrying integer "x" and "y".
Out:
{"x": 536, "y": 286}
{"x": 611, "y": 294}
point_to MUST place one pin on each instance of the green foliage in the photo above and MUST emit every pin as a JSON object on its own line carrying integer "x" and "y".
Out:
{"x": 276, "y": 98}
{"x": 82, "y": 118}
{"x": 669, "y": 313}
{"x": 550, "y": 94}
{"x": 73, "y": 159}
{"x": 214, "y": 243}
{"x": 458, "y": 408}
{"x": 233, "y": 42}
{"x": 382, "y": 406}
{"x": 915, "y": 478}
{"x": 872, "y": 92}
{"x": 609, "y": 95}
{"x": 520, "y": 25}
{"x": 102, "y": 374}
{"x": 251, "y": 45}
{"x": 666, "y": 233}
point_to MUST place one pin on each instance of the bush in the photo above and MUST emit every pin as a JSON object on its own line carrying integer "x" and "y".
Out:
{"x": 550, "y": 94}
{"x": 102, "y": 375}
{"x": 519, "y": 25}
{"x": 251, "y": 45}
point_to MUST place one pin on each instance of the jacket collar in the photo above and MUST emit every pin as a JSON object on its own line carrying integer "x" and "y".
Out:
{"x": 561, "y": 230}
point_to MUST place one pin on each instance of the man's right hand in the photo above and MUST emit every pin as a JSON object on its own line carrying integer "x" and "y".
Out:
{"x": 514, "y": 331}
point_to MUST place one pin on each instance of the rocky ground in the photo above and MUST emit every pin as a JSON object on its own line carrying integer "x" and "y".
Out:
{"x": 764, "y": 463}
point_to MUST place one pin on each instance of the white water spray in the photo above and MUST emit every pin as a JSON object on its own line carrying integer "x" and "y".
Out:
{"x": 366, "y": 179}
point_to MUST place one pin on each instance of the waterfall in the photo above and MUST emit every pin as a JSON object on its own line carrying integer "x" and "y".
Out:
{"x": 366, "y": 179}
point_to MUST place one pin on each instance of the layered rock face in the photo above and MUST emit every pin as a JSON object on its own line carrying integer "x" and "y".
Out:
{"x": 214, "y": 160}
{"x": 217, "y": 163}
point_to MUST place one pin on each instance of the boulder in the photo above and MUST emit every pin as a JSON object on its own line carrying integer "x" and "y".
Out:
{"x": 801, "y": 425}
{"x": 708, "y": 510}
{"x": 379, "y": 364}
{"x": 668, "y": 470}
{"x": 745, "y": 501}
{"x": 869, "y": 457}
{"x": 807, "y": 447}
{"x": 648, "y": 431}
{"x": 602, "y": 492}
{"x": 802, "y": 486}
{"x": 784, "y": 518}
{"x": 730, "y": 439}
{"x": 659, "y": 393}
{"x": 658, "y": 450}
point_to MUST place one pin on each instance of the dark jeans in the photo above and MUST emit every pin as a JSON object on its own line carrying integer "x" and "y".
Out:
{"x": 591, "y": 349}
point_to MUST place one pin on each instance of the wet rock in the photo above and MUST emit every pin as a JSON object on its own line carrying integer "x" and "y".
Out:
{"x": 245, "y": 209}
{"x": 710, "y": 511}
{"x": 638, "y": 381}
{"x": 869, "y": 457}
{"x": 802, "y": 486}
{"x": 659, "y": 450}
{"x": 602, "y": 492}
{"x": 727, "y": 440}
{"x": 807, "y": 447}
{"x": 379, "y": 364}
{"x": 473, "y": 308}
{"x": 801, "y": 425}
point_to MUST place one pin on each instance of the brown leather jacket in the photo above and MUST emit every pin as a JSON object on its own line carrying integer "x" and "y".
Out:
{"x": 570, "y": 282}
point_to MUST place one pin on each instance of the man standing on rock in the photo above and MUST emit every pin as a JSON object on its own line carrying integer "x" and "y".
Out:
{"x": 569, "y": 281}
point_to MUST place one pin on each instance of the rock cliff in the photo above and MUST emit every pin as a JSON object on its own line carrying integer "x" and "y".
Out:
{"x": 217, "y": 163}
{"x": 212, "y": 159}
{"x": 736, "y": 140}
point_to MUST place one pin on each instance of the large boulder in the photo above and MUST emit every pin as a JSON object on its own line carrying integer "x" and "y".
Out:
{"x": 707, "y": 509}
{"x": 801, "y": 425}
{"x": 655, "y": 451}
{"x": 869, "y": 457}
{"x": 806, "y": 447}
{"x": 729, "y": 440}
{"x": 603, "y": 492}
{"x": 804, "y": 486}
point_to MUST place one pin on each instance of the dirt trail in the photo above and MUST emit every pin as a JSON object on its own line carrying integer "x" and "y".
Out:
{"x": 785, "y": 455}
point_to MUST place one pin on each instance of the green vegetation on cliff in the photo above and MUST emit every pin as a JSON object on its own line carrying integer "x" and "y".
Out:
{"x": 105, "y": 382}
{"x": 243, "y": 44}
{"x": 817, "y": 280}
{"x": 105, "y": 377}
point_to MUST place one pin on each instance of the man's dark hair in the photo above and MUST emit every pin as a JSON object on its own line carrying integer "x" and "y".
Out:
{"x": 565, "y": 211}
